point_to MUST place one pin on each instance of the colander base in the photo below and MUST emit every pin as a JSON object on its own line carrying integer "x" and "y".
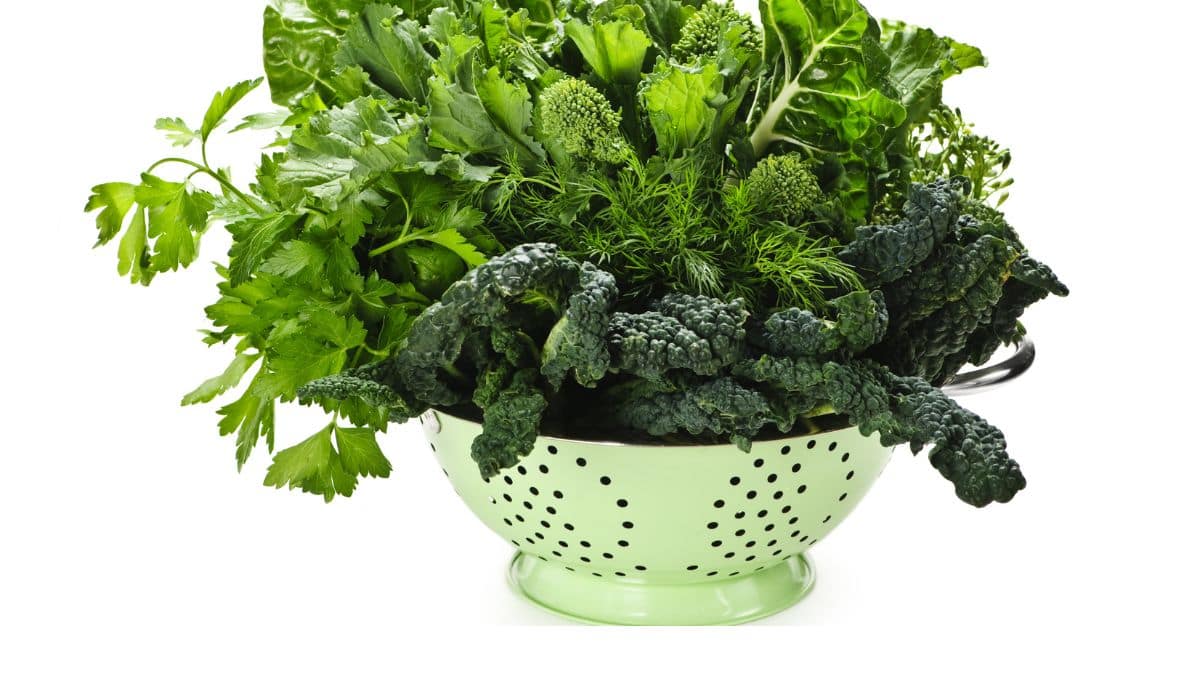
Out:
{"x": 634, "y": 602}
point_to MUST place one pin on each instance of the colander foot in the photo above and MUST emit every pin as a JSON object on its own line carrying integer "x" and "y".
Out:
{"x": 722, "y": 600}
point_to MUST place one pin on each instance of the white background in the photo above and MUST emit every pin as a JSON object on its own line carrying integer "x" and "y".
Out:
{"x": 128, "y": 543}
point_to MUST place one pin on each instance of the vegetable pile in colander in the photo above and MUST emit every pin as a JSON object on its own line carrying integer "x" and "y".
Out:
{"x": 642, "y": 217}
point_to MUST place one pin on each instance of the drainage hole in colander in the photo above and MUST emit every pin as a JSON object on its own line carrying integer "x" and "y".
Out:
{"x": 530, "y": 540}
{"x": 711, "y": 574}
{"x": 543, "y": 468}
{"x": 640, "y": 568}
{"x": 622, "y": 503}
{"x": 842, "y": 498}
{"x": 833, "y": 446}
{"x": 558, "y": 494}
{"x": 713, "y": 525}
{"x": 733, "y": 573}
{"x": 585, "y": 543}
{"x": 533, "y": 491}
{"x": 730, "y": 554}
{"x": 739, "y": 533}
{"x": 556, "y": 554}
{"x": 507, "y": 497}
{"x": 793, "y": 519}
{"x": 552, "y": 450}
{"x": 806, "y": 537}
{"x": 545, "y": 524}
{"x": 539, "y": 535}
{"x": 543, "y": 558}
{"x": 826, "y": 519}
{"x": 719, "y": 503}
{"x": 627, "y": 525}
{"x": 521, "y": 469}
{"x": 795, "y": 534}
{"x": 597, "y": 574}
{"x": 515, "y": 542}
{"x": 775, "y": 554}
{"x": 519, "y": 517}
{"x": 758, "y": 463}
{"x": 777, "y": 495}
{"x": 508, "y": 522}
{"x": 551, "y": 510}
{"x": 492, "y": 500}
{"x": 527, "y": 505}
{"x": 749, "y": 558}
{"x": 445, "y": 473}
{"x": 786, "y": 509}
{"x": 814, "y": 541}
{"x": 585, "y": 559}
{"x": 845, "y": 456}
{"x": 508, "y": 480}
{"x": 769, "y": 527}
{"x": 692, "y": 568}
{"x": 562, "y": 543}
{"x": 762, "y": 514}
{"x": 850, "y": 475}
{"x": 607, "y": 556}
{"x": 740, "y": 515}
{"x": 735, "y": 480}
{"x": 751, "y": 543}
{"x": 581, "y": 462}
{"x": 772, "y": 478}
{"x": 796, "y": 467}
{"x": 620, "y": 574}
{"x": 605, "y": 480}
{"x": 785, "y": 449}
{"x": 751, "y": 494}
{"x": 716, "y": 543}
{"x": 800, "y": 490}
{"x": 812, "y": 444}
{"x": 570, "y": 569}
{"x": 760, "y": 568}
{"x": 772, "y": 542}
{"x": 568, "y": 527}
{"x": 622, "y": 543}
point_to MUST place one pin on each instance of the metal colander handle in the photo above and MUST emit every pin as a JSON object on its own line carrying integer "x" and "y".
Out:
{"x": 982, "y": 379}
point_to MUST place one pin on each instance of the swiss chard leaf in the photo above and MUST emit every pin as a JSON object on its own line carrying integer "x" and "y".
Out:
{"x": 920, "y": 62}
{"x": 300, "y": 38}
{"x": 819, "y": 96}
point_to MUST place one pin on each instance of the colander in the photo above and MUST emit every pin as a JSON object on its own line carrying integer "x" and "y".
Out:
{"x": 621, "y": 533}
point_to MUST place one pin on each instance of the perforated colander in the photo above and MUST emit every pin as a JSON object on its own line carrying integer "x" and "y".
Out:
{"x": 617, "y": 533}
{"x": 644, "y": 534}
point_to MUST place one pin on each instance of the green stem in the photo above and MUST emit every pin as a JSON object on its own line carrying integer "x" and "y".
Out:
{"x": 200, "y": 168}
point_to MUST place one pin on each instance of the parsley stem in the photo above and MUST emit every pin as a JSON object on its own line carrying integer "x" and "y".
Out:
{"x": 200, "y": 168}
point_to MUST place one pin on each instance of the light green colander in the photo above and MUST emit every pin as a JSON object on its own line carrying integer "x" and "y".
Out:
{"x": 636, "y": 534}
{"x": 673, "y": 535}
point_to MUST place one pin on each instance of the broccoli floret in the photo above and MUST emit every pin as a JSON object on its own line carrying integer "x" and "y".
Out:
{"x": 783, "y": 187}
{"x": 575, "y": 116}
{"x": 702, "y": 34}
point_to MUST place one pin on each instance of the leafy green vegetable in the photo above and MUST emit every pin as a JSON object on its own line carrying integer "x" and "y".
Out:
{"x": 655, "y": 212}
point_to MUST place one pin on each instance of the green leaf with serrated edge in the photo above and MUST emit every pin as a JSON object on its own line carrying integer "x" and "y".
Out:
{"x": 299, "y": 40}
{"x": 223, "y": 101}
{"x": 679, "y": 103}
{"x": 359, "y": 452}
{"x": 614, "y": 49}
{"x": 176, "y": 215}
{"x": 178, "y": 132}
{"x": 251, "y": 417}
{"x": 456, "y": 242}
{"x": 511, "y": 110}
{"x": 114, "y": 201}
{"x": 920, "y": 62}
{"x": 215, "y": 386}
{"x": 294, "y": 258}
{"x": 264, "y": 121}
{"x": 131, "y": 253}
{"x": 253, "y": 238}
{"x": 389, "y": 49}
{"x": 308, "y": 458}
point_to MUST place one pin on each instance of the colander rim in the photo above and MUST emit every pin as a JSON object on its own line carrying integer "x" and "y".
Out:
{"x": 644, "y": 442}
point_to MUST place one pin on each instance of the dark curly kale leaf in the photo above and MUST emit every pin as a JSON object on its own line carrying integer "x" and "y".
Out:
{"x": 375, "y": 384}
{"x": 510, "y": 424}
{"x": 884, "y": 253}
{"x": 967, "y": 450}
{"x": 578, "y": 341}
{"x": 709, "y": 407}
{"x": 685, "y": 332}
{"x": 862, "y": 320}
